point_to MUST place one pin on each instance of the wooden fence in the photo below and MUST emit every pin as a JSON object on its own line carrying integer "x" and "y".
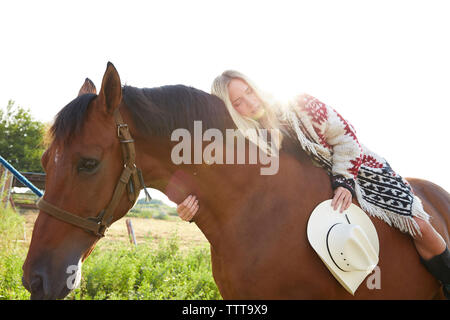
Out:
{"x": 18, "y": 200}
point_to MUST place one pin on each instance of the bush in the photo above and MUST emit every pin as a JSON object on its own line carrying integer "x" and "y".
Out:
{"x": 139, "y": 213}
{"x": 155, "y": 209}
{"x": 124, "y": 272}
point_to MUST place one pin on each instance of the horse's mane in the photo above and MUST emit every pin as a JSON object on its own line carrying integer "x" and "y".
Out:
{"x": 159, "y": 111}
{"x": 69, "y": 120}
{"x": 155, "y": 111}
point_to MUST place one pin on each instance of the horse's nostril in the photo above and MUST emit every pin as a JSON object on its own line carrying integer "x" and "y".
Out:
{"x": 36, "y": 284}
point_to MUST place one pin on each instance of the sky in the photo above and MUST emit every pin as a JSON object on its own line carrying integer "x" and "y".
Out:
{"x": 383, "y": 65}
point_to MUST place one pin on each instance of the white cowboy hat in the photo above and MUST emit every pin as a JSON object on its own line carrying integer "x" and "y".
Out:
{"x": 346, "y": 242}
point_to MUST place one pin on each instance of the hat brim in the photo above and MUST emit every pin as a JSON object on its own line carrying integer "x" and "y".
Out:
{"x": 320, "y": 221}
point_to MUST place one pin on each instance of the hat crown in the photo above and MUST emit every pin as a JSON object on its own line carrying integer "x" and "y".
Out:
{"x": 350, "y": 248}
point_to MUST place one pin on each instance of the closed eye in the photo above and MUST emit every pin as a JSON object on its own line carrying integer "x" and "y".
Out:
{"x": 87, "y": 165}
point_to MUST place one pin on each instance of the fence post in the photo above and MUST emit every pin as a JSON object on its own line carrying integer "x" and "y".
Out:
{"x": 131, "y": 232}
{"x": 6, "y": 179}
{"x": 3, "y": 173}
{"x": 9, "y": 189}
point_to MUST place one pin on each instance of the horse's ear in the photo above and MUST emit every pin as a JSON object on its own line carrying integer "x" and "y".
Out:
{"x": 88, "y": 87}
{"x": 111, "y": 90}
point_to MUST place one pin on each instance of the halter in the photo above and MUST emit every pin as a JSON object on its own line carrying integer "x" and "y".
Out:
{"x": 130, "y": 179}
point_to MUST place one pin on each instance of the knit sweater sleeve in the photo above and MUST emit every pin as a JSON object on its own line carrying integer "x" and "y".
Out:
{"x": 337, "y": 134}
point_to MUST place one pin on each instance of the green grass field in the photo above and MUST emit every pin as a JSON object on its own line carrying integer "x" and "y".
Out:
{"x": 171, "y": 261}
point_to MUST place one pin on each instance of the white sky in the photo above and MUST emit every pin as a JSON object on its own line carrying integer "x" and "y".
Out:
{"x": 384, "y": 65}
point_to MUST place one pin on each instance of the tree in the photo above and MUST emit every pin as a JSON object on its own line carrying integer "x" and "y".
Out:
{"x": 21, "y": 138}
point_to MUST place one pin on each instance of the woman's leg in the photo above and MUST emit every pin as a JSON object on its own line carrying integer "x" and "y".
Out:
{"x": 434, "y": 253}
{"x": 430, "y": 243}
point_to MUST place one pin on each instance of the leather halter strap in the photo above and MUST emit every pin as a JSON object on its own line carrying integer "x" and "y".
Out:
{"x": 130, "y": 179}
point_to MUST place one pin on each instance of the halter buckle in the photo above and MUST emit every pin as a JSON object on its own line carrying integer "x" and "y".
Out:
{"x": 127, "y": 141}
{"x": 102, "y": 227}
{"x": 121, "y": 125}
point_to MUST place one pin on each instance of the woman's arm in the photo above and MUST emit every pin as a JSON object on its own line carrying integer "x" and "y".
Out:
{"x": 337, "y": 134}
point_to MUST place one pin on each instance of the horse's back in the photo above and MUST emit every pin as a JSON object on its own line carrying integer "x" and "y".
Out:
{"x": 403, "y": 275}
{"x": 278, "y": 263}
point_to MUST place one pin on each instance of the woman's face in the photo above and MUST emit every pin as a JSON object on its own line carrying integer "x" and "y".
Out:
{"x": 244, "y": 100}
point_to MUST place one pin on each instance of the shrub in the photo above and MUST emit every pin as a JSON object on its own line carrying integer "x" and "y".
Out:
{"x": 124, "y": 272}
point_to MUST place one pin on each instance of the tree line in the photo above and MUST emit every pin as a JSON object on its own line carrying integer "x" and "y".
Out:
{"x": 21, "y": 138}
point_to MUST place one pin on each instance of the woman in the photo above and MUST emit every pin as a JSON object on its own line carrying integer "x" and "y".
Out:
{"x": 331, "y": 142}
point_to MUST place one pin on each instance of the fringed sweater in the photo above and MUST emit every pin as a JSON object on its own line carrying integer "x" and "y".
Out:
{"x": 331, "y": 142}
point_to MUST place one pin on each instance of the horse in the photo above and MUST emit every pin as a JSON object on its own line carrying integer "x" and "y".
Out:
{"x": 255, "y": 224}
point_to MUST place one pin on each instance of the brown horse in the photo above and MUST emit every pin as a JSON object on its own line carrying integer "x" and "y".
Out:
{"x": 255, "y": 224}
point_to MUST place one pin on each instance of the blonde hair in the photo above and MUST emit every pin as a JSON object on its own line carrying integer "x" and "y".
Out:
{"x": 249, "y": 127}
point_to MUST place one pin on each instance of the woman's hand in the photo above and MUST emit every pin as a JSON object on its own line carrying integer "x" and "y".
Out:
{"x": 188, "y": 208}
{"x": 342, "y": 198}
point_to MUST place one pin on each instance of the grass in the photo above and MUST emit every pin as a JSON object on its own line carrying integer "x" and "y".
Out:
{"x": 126, "y": 273}
{"x": 162, "y": 266}
{"x": 12, "y": 254}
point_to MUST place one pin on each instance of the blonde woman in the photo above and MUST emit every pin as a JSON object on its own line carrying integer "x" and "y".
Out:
{"x": 331, "y": 142}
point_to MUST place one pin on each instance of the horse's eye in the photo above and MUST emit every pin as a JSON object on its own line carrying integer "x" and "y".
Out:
{"x": 87, "y": 165}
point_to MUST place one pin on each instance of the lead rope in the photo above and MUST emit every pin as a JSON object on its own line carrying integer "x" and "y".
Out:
{"x": 141, "y": 180}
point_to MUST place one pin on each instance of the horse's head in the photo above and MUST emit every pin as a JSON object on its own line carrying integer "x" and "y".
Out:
{"x": 83, "y": 165}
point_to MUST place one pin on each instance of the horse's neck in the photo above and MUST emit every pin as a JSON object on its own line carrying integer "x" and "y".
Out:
{"x": 242, "y": 203}
{"x": 239, "y": 207}
{"x": 220, "y": 188}
{"x": 221, "y": 191}
{"x": 230, "y": 195}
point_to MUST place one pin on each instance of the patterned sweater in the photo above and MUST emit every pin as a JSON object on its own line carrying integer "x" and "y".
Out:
{"x": 331, "y": 142}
